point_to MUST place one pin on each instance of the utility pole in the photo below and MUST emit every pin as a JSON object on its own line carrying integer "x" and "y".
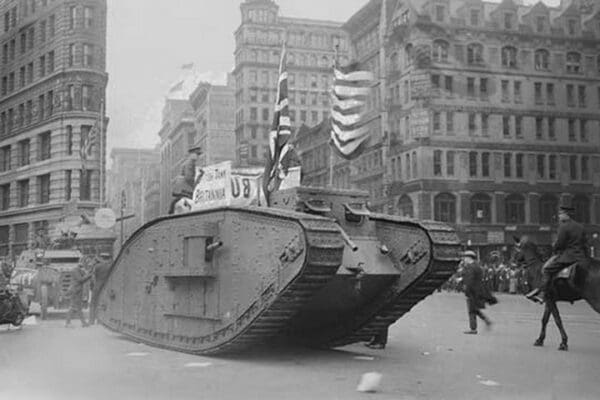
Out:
{"x": 123, "y": 205}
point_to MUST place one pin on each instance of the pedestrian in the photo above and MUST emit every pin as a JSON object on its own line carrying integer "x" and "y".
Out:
{"x": 99, "y": 275}
{"x": 475, "y": 291}
{"x": 79, "y": 278}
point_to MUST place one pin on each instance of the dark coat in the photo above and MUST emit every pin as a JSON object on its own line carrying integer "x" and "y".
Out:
{"x": 477, "y": 293}
{"x": 570, "y": 243}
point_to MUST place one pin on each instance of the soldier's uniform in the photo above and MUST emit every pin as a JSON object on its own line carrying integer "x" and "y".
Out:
{"x": 80, "y": 277}
{"x": 569, "y": 247}
{"x": 99, "y": 276}
{"x": 476, "y": 292}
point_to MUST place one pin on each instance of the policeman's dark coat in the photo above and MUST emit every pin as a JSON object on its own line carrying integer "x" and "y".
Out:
{"x": 477, "y": 293}
{"x": 570, "y": 243}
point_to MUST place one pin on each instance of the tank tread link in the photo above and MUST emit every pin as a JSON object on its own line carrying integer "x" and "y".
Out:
{"x": 266, "y": 316}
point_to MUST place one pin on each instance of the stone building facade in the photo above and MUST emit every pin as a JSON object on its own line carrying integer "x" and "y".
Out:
{"x": 492, "y": 114}
{"x": 52, "y": 87}
{"x": 310, "y": 46}
{"x": 213, "y": 107}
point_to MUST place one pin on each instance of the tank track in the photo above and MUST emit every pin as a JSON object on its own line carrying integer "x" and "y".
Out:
{"x": 444, "y": 250}
{"x": 323, "y": 256}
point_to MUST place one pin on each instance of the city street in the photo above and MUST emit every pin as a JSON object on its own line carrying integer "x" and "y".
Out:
{"x": 428, "y": 357}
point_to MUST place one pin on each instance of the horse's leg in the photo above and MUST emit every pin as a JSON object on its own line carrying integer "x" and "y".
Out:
{"x": 545, "y": 318}
{"x": 556, "y": 314}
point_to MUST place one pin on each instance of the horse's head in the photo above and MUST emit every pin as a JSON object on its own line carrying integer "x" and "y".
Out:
{"x": 526, "y": 251}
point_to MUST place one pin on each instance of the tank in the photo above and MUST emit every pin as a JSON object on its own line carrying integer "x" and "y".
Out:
{"x": 317, "y": 268}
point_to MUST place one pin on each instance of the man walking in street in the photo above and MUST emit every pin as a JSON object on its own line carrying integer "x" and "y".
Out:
{"x": 80, "y": 277}
{"x": 475, "y": 291}
{"x": 99, "y": 275}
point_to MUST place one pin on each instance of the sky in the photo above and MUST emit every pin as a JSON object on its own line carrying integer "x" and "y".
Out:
{"x": 149, "y": 40}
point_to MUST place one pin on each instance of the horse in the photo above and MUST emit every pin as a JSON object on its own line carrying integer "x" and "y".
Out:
{"x": 583, "y": 283}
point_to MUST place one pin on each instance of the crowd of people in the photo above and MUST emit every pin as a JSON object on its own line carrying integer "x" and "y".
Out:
{"x": 498, "y": 277}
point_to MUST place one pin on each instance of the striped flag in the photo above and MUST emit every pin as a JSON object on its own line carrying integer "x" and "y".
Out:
{"x": 279, "y": 150}
{"x": 349, "y": 129}
{"x": 89, "y": 141}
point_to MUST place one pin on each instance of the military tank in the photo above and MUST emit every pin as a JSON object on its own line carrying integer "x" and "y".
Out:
{"x": 317, "y": 267}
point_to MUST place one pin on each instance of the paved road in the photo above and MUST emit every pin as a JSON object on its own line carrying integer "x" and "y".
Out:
{"x": 428, "y": 357}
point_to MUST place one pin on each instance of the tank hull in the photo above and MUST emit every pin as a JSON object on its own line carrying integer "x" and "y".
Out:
{"x": 324, "y": 280}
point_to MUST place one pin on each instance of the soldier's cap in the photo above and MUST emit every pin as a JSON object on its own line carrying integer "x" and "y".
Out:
{"x": 469, "y": 253}
{"x": 566, "y": 209}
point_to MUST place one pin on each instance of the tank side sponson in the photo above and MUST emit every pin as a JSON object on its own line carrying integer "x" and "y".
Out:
{"x": 426, "y": 253}
{"x": 220, "y": 280}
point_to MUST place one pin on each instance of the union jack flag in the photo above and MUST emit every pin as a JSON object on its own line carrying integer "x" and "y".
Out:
{"x": 279, "y": 149}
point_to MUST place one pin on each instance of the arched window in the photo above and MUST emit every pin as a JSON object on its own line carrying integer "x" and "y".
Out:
{"x": 474, "y": 53}
{"x": 324, "y": 62}
{"x": 548, "y": 209}
{"x": 542, "y": 60}
{"x": 408, "y": 55}
{"x": 581, "y": 204}
{"x": 509, "y": 57}
{"x": 405, "y": 207}
{"x": 481, "y": 209}
{"x": 515, "y": 209}
{"x": 445, "y": 208}
{"x": 574, "y": 63}
{"x": 440, "y": 51}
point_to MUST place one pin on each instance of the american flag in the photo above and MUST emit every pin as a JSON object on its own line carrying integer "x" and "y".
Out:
{"x": 89, "y": 141}
{"x": 279, "y": 150}
{"x": 350, "y": 131}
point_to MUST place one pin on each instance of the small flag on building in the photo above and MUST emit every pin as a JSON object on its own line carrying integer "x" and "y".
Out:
{"x": 350, "y": 130}
{"x": 88, "y": 142}
{"x": 279, "y": 149}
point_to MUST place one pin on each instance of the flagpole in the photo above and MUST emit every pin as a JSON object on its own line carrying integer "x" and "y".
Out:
{"x": 102, "y": 152}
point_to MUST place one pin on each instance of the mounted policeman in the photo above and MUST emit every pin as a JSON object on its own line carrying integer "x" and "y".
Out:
{"x": 570, "y": 247}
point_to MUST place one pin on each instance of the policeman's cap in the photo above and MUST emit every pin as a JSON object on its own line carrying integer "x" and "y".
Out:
{"x": 469, "y": 253}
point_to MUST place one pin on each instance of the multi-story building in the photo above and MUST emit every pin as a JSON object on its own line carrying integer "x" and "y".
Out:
{"x": 53, "y": 80}
{"x": 310, "y": 45}
{"x": 214, "y": 107}
{"x": 130, "y": 174}
{"x": 493, "y": 114}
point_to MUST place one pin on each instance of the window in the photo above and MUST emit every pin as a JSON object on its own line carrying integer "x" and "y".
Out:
{"x": 552, "y": 167}
{"x": 415, "y": 171}
{"x": 5, "y": 199}
{"x": 88, "y": 55}
{"x": 485, "y": 165}
{"x": 253, "y": 114}
{"x": 548, "y": 207}
{"x": 86, "y": 98}
{"x": 30, "y": 38}
{"x": 44, "y": 141}
{"x": 70, "y": 97}
{"x": 43, "y": 31}
{"x": 474, "y": 54}
{"x": 440, "y": 12}
{"x": 69, "y": 140}
{"x": 540, "y": 24}
{"x": 572, "y": 136}
{"x": 481, "y": 209}
{"x": 265, "y": 114}
{"x": 449, "y": 84}
{"x": 450, "y": 163}
{"x": 517, "y": 92}
{"x": 472, "y": 124}
{"x": 407, "y": 157}
{"x": 440, "y": 51}
{"x": 436, "y": 122}
{"x": 28, "y": 111}
{"x": 505, "y": 92}
{"x": 88, "y": 17}
{"x": 570, "y": 95}
{"x": 437, "y": 163}
{"x": 509, "y": 57}
{"x": 405, "y": 206}
{"x": 449, "y": 122}
{"x": 551, "y": 128}
{"x": 85, "y": 186}
{"x": 538, "y": 93}
{"x": 22, "y": 77}
{"x": 581, "y": 95}
{"x": 71, "y": 55}
{"x": 485, "y": 124}
{"x": 572, "y": 26}
{"x": 581, "y": 204}
{"x": 52, "y": 25}
{"x": 550, "y": 93}
{"x": 539, "y": 128}
{"x": 72, "y": 17}
{"x": 445, "y": 208}
{"x": 471, "y": 87}
{"x": 573, "y": 167}
{"x": 483, "y": 88}
{"x": 542, "y": 60}
{"x": 23, "y": 192}
{"x": 68, "y": 185}
{"x": 506, "y": 126}
{"x": 583, "y": 131}
{"x": 5, "y": 156}
{"x": 574, "y": 63}
{"x": 44, "y": 188}
{"x": 435, "y": 81}
{"x": 473, "y": 164}
{"x": 519, "y": 165}
{"x": 585, "y": 169}
{"x": 50, "y": 61}
{"x": 541, "y": 166}
{"x": 474, "y": 17}
{"x": 23, "y": 43}
{"x": 519, "y": 126}
{"x": 508, "y": 20}
{"x": 24, "y": 149}
{"x": 515, "y": 209}
{"x": 507, "y": 165}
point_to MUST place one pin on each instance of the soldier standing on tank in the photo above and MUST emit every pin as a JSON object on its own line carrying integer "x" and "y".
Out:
{"x": 80, "y": 277}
